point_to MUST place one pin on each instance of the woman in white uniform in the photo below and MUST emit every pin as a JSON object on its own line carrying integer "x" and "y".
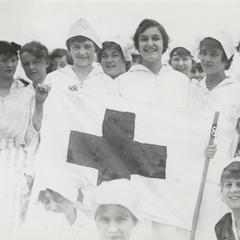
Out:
{"x": 217, "y": 92}
{"x": 85, "y": 74}
{"x": 16, "y": 135}
{"x": 151, "y": 80}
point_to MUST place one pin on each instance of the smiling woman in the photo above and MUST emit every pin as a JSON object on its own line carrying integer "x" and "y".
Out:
{"x": 228, "y": 227}
{"x": 34, "y": 58}
{"x": 151, "y": 80}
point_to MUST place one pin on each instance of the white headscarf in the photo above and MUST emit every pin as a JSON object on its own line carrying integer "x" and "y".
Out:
{"x": 82, "y": 28}
{"x": 118, "y": 192}
{"x": 125, "y": 45}
{"x": 225, "y": 39}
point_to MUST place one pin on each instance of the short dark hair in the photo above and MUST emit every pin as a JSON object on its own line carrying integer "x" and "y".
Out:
{"x": 180, "y": 51}
{"x": 231, "y": 171}
{"x": 147, "y": 23}
{"x": 213, "y": 43}
{"x": 37, "y": 49}
{"x": 8, "y": 48}
{"x": 197, "y": 66}
{"x": 61, "y": 52}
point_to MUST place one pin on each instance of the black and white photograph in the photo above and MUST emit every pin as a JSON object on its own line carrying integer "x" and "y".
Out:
{"x": 120, "y": 120}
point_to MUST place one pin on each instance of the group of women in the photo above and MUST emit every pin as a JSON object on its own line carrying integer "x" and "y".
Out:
{"x": 22, "y": 104}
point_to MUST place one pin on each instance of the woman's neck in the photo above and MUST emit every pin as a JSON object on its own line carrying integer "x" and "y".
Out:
{"x": 212, "y": 80}
{"x": 153, "y": 66}
{"x": 82, "y": 72}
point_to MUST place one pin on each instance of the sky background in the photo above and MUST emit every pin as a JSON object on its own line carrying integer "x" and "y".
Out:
{"x": 48, "y": 21}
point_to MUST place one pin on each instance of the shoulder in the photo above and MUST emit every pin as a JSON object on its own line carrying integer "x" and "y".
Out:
{"x": 173, "y": 74}
{"x": 135, "y": 72}
{"x": 224, "y": 224}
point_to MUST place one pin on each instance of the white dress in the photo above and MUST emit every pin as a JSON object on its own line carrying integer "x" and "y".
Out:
{"x": 225, "y": 99}
{"x": 16, "y": 135}
{"x": 168, "y": 87}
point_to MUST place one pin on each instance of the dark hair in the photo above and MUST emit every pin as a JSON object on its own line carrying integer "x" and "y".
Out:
{"x": 212, "y": 43}
{"x": 61, "y": 52}
{"x": 111, "y": 45}
{"x": 197, "y": 66}
{"x": 103, "y": 208}
{"x": 117, "y": 47}
{"x": 8, "y": 48}
{"x": 180, "y": 51}
{"x": 147, "y": 23}
{"x": 231, "y": 171}
{"x": 37, "y": 49}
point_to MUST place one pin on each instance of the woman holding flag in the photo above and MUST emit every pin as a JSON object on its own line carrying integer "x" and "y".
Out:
{"x": 217, "y": 92}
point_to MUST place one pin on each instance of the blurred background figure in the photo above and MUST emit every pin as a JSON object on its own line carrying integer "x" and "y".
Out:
{"x": 136, "y": 57}
{"x": 197, "y": 72}
{"x": 181, "y": 57}
{"x": 59, "y": 58}
{"x": 35, "y": 60}
{"x": 115, "y": 56}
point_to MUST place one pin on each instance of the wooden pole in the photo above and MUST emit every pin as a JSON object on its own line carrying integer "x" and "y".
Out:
{"x": 203, "y": 180}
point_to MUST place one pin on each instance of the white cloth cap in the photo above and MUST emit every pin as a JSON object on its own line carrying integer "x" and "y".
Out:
{"x": 226, "y": 41}
{"x": 125, "y": 45}
{"x": 82, "y": 28}
{"x": 118, "y": 192}
{"x": 183, "y": 44}
{"x": 61, "y": 181}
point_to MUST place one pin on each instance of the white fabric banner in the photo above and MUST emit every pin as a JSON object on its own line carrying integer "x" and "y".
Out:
{"x": 168, "y": 199}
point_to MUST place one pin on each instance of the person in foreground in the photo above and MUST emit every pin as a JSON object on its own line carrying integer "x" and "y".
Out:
{"x": 118, "y": 210}
{"x": 228, "y": 227}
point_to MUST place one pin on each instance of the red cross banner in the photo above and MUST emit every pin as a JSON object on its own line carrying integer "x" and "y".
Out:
{"x": 160, "y": 150}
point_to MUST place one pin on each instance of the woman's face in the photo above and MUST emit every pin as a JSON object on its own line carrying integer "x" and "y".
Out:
{"x": 83, "y": 52}
{"x": 211, "y": 60}
{"x": 114, "y": 223}
{"x": 58, "y": 62}
{"x": 112, "y": 62}
{"x": 8, "y": 65}
{"x": 182, "y": 63}
{"x": 231, "y": 193}
{"x": 151, "y": 45}
{"x": 34, "y": 68}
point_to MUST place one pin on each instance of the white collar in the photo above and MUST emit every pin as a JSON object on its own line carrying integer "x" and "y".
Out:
{"x": 226, "y": 81}
{"x": 142, "y": 68}
{"x": 97, "y": 69}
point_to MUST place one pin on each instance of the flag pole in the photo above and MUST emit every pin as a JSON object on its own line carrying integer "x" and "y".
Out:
{"x": 204, "y": 177}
